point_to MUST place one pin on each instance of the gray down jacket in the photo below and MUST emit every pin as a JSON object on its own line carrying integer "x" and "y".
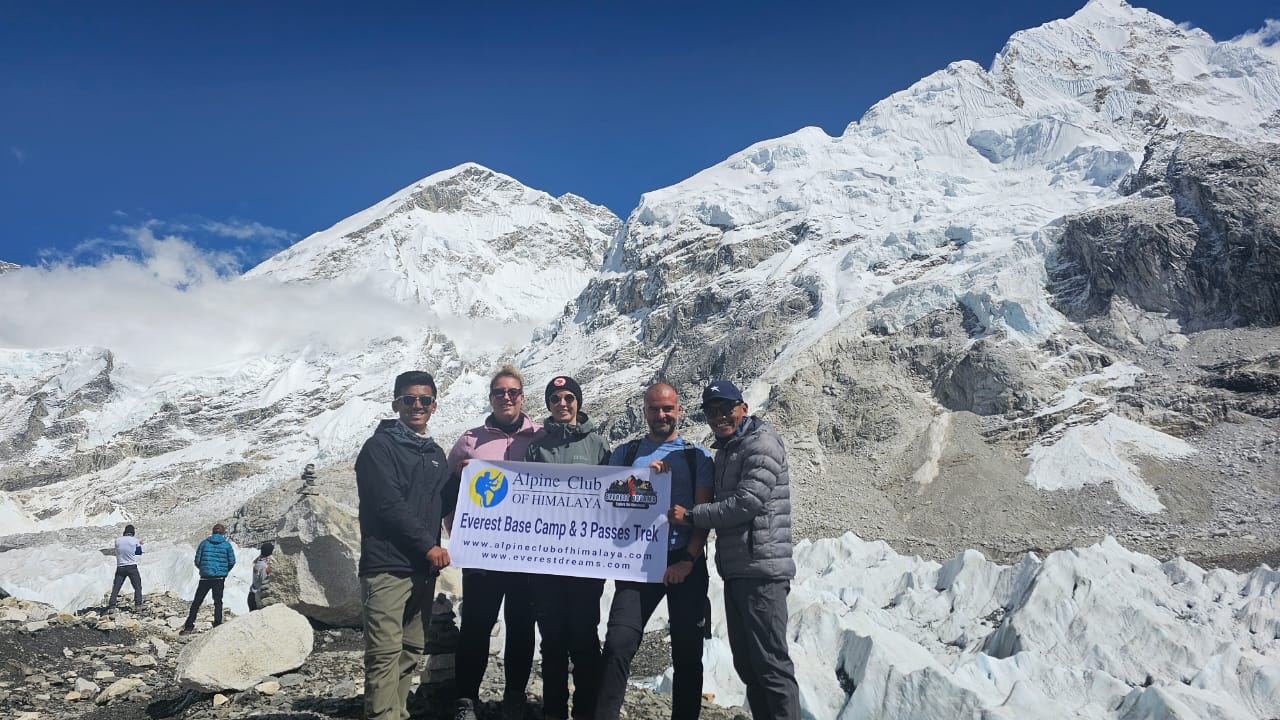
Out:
{"x": 751, "y": 513}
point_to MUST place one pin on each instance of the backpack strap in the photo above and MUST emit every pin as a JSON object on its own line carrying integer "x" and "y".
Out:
{"x": 691, "y": 457}
{"x": 629, "y": 454}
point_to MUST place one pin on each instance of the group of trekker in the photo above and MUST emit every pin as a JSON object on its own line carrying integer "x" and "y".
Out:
{"x": 408, "y": 490}
{"x": 214, "y": 560}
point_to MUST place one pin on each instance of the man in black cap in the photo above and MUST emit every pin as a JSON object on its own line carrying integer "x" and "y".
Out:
{"x": 401, "y": 477}
{"x": 751, "y": 515}
{"x": 128, "y": 548}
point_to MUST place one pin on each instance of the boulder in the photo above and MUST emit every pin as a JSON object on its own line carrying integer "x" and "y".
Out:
{"x": 117, "y": 689}
{"x": 314, "y": 570}
{"x": 245, "y": 651}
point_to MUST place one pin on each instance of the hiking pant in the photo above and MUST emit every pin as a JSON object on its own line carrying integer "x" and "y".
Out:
{"x": 483, "y": 591}
{"x": 206, "y": 584}
{"x": 756, "y": 617}
{"x": 396, "y": 607}
{"x": 568, "y": 613}
{"x": 135, "y": 582}
{"x": 633, "y": 605}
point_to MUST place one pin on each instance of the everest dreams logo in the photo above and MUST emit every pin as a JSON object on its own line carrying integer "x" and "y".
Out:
{"x": 631, "y": 493}
{"x": 488, "y": 488}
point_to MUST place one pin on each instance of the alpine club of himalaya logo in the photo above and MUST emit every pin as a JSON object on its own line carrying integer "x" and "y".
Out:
{"x": 631, "y": 493}
{"x": 488, "y": 488}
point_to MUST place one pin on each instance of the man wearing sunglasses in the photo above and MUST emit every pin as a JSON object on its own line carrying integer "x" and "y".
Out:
{"x": 505, "y": 435}
{"x": 401, "y": 476}
{"x": 751, "y": 515}
{"x": 568, "y": 608}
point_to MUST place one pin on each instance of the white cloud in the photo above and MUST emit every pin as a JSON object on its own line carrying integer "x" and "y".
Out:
{"x": 1266, "y": 39}
{"x": 162, "y": 304}
{"x": 253, "y": 241}
{"x": 245, "y": 230}
{"x": 18, "y": 153}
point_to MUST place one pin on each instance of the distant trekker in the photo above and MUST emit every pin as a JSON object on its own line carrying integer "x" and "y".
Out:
{"x": 214, "y": 559}
{"x": 128, "y": 548}
{"x": 261, "y": 576}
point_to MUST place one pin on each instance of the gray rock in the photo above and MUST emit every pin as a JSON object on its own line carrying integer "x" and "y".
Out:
{"x": 315, "y": 567}
{"x": 244, "y": 651}
{"x": 118, "y": 689}
{"x": 1201, "y": 242}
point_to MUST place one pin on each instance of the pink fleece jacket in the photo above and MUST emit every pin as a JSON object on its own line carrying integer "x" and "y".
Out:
{"x": 489, "y": 443}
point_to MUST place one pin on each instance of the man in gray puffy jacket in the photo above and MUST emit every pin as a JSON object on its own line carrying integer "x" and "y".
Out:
{"x": 751, "y": 515}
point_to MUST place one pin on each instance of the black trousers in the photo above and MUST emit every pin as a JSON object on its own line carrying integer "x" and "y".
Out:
{"x": 206, "y": 585}
{"x": 633, "y": 605}
{"x": 756, "y": 618}
{"x": 252, "y": 600}
{"x": 135, "y": 581}
{"x": 483, "y": 591}
{"x": 568, "y": 611}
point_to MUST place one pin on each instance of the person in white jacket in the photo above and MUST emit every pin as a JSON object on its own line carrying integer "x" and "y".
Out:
{"x": 128, "y": 548}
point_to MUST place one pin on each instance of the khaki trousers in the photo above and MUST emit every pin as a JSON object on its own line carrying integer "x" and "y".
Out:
{"x": 395, "y": 607}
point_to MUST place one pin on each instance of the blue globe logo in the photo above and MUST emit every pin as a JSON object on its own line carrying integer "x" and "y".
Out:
{"x": 488, "y": 488}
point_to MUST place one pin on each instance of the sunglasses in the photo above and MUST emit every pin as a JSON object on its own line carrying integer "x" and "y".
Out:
{"x": 411, "y": 400}
{"x": 566, "y": 398}
{"x": 719, "y": 409}
{"x": 512, "y": 393}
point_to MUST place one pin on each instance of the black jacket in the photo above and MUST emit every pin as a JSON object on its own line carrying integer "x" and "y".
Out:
{"x": 401, "y": 478}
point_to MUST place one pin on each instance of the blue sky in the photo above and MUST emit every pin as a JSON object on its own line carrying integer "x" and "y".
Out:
{"x": 244, "y": 126}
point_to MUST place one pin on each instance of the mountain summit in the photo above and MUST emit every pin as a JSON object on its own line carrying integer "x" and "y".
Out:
{"x": 465, "y": 242}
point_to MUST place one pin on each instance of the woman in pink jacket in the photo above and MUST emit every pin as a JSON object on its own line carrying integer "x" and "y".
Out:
{"x": 505, "y": 435}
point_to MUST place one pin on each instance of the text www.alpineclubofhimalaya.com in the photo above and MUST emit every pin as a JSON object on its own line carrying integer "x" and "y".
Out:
{"x": 552, "y": 555}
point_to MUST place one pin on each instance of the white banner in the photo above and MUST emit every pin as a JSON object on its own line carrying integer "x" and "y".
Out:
{"x": 594, "y": 521}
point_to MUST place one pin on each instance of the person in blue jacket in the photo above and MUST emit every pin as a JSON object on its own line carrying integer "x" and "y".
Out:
{"x": 214, "y": 559}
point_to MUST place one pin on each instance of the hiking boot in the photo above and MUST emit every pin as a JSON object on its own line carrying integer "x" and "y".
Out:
{"x": 464, "y": 709}
{"x": 513, "y": 707}
{"x": 187, "y": 631}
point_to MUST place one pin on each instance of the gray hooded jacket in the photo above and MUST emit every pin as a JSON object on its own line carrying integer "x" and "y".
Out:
{"x": 751, "y": 513}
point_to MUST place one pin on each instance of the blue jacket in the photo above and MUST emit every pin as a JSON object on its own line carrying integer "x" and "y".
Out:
{"x": 214, "y": 557}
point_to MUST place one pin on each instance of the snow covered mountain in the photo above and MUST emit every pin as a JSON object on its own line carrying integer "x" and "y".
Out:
{"x": 440, "y": 269}
{"x": 463, "y": 243}
{"x": 1014, "y": 309}
{"x": 894, "y": 281}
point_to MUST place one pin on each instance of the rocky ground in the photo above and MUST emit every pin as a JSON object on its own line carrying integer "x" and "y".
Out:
{"x": 1222, "y": 504}
{"x": 103, "y": 665}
